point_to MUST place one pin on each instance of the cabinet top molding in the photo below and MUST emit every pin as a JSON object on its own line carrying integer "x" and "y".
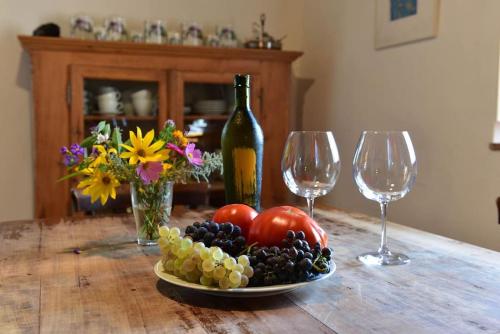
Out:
{"x": 62, "y": 44}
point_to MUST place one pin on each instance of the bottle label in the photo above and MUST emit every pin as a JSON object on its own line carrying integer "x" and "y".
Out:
{"x": 245, "y": 164}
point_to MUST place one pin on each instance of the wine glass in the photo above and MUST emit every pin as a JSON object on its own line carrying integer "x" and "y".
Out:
{"x": 384, "y": 168}
{"x": 310, "y": 164}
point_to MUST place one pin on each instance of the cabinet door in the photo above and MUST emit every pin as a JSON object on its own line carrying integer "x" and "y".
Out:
{"x": 124, "y": 97}
{"x": 200, "y": 103}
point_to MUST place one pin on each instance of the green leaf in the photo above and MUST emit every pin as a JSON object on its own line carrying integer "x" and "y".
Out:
{"x": 107, "y": 130}
{"x": 69, "y": 176}
{"x": 100, "y": 126}
{"x": 116, "y": 139}
{"x": 88, "y": 142}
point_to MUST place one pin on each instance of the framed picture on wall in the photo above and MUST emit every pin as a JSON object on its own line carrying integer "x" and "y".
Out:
{"x": 405, "y": 21}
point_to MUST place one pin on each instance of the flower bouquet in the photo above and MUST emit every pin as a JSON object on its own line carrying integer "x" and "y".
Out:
{"x": 151, "y": 165}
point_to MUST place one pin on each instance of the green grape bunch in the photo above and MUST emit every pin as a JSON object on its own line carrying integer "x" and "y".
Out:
{"x": 197, "y": 263}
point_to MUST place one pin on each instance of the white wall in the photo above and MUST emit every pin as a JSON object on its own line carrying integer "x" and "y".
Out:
{"x": 22, "y": 17}
{"x": 444, "y": 91}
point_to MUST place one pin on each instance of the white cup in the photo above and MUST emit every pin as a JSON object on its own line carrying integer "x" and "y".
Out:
{"x": 142, "y": 105}
{"x": 110, "y": 95}
{"x": 107, "y": 89}
{"x": 110, "y": 107}
{"x": 108, "y": 103}
{"x": 143, "y": 93}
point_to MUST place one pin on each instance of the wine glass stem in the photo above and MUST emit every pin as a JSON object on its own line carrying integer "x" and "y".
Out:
{"x": 383, "y": 238}
{"x": 310, "y": 205}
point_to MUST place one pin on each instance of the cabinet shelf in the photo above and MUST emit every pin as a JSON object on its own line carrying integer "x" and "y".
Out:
{"x": 193, "y": 117}
{"x": 127, "y": 117}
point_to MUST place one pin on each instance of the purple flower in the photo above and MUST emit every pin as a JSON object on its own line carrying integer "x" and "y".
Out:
{"x": 70, "y": 160}
{"x": 71, "y": 156}
{"x": 149, "y": 171}
{"x": 170, "y": 122}
{"x": 175, "y": 148}
{"x": 193, "y": 155}
{"x": 76, "y": 149}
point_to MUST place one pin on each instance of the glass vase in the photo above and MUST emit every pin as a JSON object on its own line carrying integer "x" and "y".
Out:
{"x": 152, "y": 206}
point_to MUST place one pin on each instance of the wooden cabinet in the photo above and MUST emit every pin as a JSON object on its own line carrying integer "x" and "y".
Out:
{"x": 67, "y": 73}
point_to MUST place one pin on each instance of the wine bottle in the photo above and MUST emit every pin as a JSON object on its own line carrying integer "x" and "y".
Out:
{"x": 242, "y": 149}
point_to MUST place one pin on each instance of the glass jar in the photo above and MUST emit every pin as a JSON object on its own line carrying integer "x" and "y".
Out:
{"x": 115, "y": 29}
{"x": 82, "y": 27}
{"x": 152, "y": 207}
{"x": 155, "y": 32}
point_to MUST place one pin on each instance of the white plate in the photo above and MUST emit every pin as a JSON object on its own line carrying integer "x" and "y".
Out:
{"x": 211, "y": 106}
{"x": 207, "y": 102}
{"x": 239, "y": 292}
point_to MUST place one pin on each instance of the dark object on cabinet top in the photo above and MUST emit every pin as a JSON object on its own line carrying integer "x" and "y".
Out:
{"x": 48, "y": 30}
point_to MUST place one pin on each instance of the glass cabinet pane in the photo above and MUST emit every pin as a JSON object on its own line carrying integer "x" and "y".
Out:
{"x": 127, "y": 104}
{"x": 206, "y": 109}
{"x": 208, "y": 98}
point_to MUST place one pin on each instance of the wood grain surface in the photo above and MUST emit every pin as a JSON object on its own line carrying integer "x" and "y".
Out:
{"x": 110, "y": 287}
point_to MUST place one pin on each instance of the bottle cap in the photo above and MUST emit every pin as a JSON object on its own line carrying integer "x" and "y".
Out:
{"x": 242, "y": 80}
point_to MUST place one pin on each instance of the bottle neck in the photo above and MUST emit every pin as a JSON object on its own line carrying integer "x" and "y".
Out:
{"x": 242, "y": 98}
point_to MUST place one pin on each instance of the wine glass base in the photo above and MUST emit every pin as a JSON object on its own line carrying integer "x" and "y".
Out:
{"x": 383, "y": 259}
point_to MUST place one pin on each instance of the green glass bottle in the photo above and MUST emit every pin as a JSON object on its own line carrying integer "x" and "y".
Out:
{"x": 242, "y": 149}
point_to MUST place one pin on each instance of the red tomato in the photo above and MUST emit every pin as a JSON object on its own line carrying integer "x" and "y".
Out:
{"x": 238, "y": 214}
{"x": 270, "y": 226}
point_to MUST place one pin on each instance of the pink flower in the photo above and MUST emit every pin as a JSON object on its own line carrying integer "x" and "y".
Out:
{"x": 193, "y": 156}
{"x": 149, "y": 171}
{"x": 175, "y": 148}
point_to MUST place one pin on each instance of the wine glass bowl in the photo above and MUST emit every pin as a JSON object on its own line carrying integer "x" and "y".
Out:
{"x": 384, "y": 169}
{"x": 310, "y": 164}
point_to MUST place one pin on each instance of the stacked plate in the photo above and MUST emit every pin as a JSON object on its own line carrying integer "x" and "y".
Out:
{"x": 212, "y": 107}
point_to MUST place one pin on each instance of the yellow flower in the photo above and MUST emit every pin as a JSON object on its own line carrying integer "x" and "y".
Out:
{"x": 166, "y": 166}
{"x": 87, "y": 171}
{"x": 102, "y": 155}
{"x": 99, "y": 185}
{"x": 142, "y": 150}
{"x": 183, "y": 141}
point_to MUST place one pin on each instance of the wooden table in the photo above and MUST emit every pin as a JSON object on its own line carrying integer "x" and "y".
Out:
{"x": 449, "y": 287}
